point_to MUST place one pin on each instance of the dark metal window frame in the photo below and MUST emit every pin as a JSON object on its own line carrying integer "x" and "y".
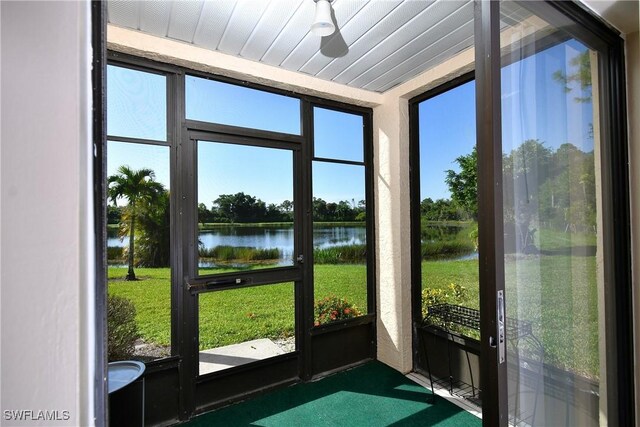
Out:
{"x": 367, "y": 163}
{"x": 171, "y": 142}
{"x": 98, "y": 80}
{"x": 179, "y": 133}
{"x": 414, "y": 195}
{"x": 592, "y": 31}
{"x": 288, "y": 271}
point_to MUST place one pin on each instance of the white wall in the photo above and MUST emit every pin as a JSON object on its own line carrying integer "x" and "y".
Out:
{"x": 46, "y": 261}
{"x": 393, "y": 233}
{"x": 633, "y": 104}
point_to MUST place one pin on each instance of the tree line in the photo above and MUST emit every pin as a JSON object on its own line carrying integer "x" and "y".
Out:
{"x": 244, "y": 208}
{"x": 554, "y": 189}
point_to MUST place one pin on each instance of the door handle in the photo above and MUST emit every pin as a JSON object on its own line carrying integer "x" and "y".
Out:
{"x": 215, "y": 284}
{"x": 231, "y": 281}
{"x": 501, "y": 328}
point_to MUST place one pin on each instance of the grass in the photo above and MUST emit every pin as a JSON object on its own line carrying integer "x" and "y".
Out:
{"x": 345, "y": 281}
{"x": 346, "y": 254}
{"x": 245, "y": 314}
{"x": 233, "y": 316}
{"x": 440, "y": 274}
{"x": 550, "y": 239}
{"x": 557, "y": 294}
{"x": 151, "y": 295}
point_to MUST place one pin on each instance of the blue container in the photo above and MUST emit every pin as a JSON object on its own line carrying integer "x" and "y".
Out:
{"x": 126, "y": 393}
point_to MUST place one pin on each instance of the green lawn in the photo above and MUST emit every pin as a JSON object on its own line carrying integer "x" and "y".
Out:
{"x": 556, "y": 293}
{"x": 237, "y": 315}
{"x": 151, "y": 297}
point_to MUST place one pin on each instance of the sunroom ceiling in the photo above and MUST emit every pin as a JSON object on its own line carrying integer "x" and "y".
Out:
{"x": 378, "y": 43}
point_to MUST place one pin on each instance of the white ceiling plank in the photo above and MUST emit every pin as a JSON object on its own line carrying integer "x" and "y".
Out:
{"x": 154, "y": 17}
{"x": 244, "y": 19}
{"x": 184, "y": 19}
{"x": 377, "y": 60}
{"x": 379, "y": 43}
{"x": 273, "y": 21}
{"x": 214, "y": 17}
{"x": 390, "y": 78}
{"x": 344, "y": 11}
{"x": 391, "y": 33}
{"x": 366, "y": 18}
{"x": 124, "y": 13}
{"x": 429, "y": 63}
{"x": 434, "y": 32}
{"x": 291, "y": 35}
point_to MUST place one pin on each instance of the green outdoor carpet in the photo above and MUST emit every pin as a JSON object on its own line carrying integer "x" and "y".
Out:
{"x": 370, "y": 395}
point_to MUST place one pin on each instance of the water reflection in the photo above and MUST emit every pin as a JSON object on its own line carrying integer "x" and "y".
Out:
{"x": 280, "y": 237}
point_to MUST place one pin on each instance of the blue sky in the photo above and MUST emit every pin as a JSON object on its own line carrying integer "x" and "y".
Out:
{"x": 535, "y": 106}
{"x": 217, "y": 102}
{"x": 137, "y": 103}
{"x": 264, "y": 173}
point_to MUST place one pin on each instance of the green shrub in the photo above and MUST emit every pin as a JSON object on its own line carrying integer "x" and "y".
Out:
{"x": 473, "y": 235}
{"x": 331, "y": 309}
{"x": 240, "y": 253}
{"x": 447, "y": 249}
{"x": 122, "y": 327}
{"x": 346, "y": 254}
{"x": 454, "y": 294}
{"x": 115, "y": 253}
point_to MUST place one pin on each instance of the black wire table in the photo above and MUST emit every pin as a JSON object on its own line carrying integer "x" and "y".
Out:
{"x": 459, "y": 324}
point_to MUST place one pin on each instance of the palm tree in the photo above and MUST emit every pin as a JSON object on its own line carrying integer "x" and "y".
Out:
{"x": 137, "y": 187}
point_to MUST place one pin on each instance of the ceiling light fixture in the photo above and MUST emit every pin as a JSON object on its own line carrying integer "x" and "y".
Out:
{"x": 322, "y": 22}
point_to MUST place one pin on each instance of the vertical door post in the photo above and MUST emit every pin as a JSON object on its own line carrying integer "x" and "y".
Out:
{"x": 493, "y": 370}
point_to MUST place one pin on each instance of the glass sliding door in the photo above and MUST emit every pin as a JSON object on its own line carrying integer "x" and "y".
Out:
{"x": 553, "y": 217}
{"x": 554, "y": 223}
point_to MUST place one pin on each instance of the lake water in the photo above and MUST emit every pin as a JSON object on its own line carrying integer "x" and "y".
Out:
{"x": 280, "y": 237}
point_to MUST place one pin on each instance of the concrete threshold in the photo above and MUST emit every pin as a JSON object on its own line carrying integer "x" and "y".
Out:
{"x": 217, "y": 359}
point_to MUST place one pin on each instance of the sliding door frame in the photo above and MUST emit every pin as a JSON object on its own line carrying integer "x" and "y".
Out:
{"x": 581, "y": 24}
{"x": 493, "y": 372}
